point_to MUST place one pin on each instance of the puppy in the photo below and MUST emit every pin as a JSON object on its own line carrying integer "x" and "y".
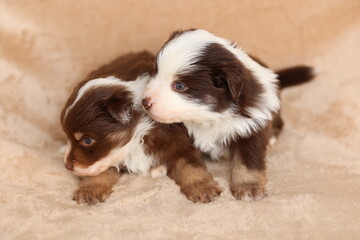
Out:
{"x": 107, "y": 130}
{"x": 228, "y": 101}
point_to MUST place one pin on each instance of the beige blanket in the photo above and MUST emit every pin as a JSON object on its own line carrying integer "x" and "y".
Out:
{"x": 313, "y": 170}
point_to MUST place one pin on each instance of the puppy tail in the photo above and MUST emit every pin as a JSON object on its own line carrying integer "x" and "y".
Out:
{"x": 295, "y": 75}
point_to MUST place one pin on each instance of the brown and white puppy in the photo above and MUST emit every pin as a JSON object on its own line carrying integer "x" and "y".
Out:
{"x": 228, "y": 101}
{"x": 107, "y": 129}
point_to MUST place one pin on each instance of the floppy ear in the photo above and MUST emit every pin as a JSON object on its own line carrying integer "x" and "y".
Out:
{"x": 228, "y": 70}
{"x": 237, "y": 76}
{"x": 120, "y": 109}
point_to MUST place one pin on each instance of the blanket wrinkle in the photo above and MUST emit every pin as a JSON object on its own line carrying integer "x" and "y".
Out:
{"x": 46, "y": 47}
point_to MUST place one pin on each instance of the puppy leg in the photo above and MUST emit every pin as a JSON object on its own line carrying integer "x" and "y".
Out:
{"x": 277, "y": 126}
{"x": 194, "y": 180}
{"x": 247, "y": 156}
{"x": 92, "y": 190}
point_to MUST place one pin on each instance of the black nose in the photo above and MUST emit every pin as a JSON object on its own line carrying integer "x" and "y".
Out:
{"x": 146, "y": 102}
{"x": 69, "y": 165}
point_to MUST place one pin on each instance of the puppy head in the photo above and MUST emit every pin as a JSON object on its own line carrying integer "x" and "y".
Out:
{"x": 98, "y": 120}
{"x": 199, "y": 76}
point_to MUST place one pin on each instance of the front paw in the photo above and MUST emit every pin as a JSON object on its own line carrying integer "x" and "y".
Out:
{"x": 204, "y": 191}
{"x": 91, "y": 194}
{"x": 248, "y": 192}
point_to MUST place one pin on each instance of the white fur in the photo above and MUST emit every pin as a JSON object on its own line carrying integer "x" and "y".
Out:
{"x": 247, "y": 198}
{"x": 66, "y": 149}
{"x": 176, "y": 57}
{"x": 131, "y": 155}
{"x": 178, "y": 54}
{"x": 170, "y": 107}
{"x": 109, "y": 81}
{"x": 212, "y": 135}
{"x": 135, "y": 86}
{"x": 136, "y": 159}
{"x": 211, "y": 131}
{"x": 159, "y": 171}
{"x": 126, "y": 117}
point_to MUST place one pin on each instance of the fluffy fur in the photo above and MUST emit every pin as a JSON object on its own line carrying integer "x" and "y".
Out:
{"x": 229, "y": 102}
{"x": 107, "y": 129}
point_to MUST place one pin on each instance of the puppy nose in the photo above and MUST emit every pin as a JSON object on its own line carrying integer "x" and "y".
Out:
{"x": 146, "y": 102}
{"x": 69, "y": 165}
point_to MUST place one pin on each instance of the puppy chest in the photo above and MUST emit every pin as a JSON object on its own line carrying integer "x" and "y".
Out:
{"x": 137, "y": 160}
{"x": 209, "y": 144}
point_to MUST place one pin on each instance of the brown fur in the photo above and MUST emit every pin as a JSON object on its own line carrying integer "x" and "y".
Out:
{"x": 95, "y": 115}
{"x": 172, "y": 145}
{"x": 92, "y": 190}
{"x": 197, "y": 184}
{"x": 126, "y": 67}
{"x": 247, "y": 156}
{"x": 173, "y": 35}
{"x": 221, "y": 75}
{"x": 87, "y": 117}
{"x": 218, "y": 79}
{"x": 295, "y": 75}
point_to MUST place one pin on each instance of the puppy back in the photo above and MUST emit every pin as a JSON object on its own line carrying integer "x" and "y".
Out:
{"x": 127, "y": 67}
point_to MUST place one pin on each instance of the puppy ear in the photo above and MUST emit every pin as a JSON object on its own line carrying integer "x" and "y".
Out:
{"x": 236, "y": 78}
{"x": 228, "y": 69}
{"x": 120, "y": 110}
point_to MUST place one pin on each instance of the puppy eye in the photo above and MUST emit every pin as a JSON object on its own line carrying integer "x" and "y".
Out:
{"x": 179, "y": 86}
{"x": 87, "y": 141}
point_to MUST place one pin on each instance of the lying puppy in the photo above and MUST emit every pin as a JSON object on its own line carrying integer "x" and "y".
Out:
{"x": 107, "y": 129}
{"x": 228, "y": 100}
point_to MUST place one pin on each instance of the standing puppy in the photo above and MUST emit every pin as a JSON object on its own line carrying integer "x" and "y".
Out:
{"x": 228, "y": 101}
{"x": 107, "y": 129}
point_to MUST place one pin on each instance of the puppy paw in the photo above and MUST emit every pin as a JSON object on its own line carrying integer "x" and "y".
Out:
{"x": 204, "y": 191}
{"x": 91, "y": 194}
{"x": 248, "y": 192}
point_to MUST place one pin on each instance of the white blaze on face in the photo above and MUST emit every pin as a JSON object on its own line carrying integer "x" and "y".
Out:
{"x": 177, "y": 57}
{"x": 169, "y": 106}
{"x": 97, "y": 82}
{"x": 134, "y": 86}
{"x": 132, "y": 155}
{"x": 121, "y": 154}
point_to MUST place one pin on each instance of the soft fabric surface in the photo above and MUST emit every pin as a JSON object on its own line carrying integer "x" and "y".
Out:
{"x": 313, "y": 170}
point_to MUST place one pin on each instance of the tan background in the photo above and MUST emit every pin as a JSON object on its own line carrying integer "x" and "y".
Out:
{"x": 314, "y": 170}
